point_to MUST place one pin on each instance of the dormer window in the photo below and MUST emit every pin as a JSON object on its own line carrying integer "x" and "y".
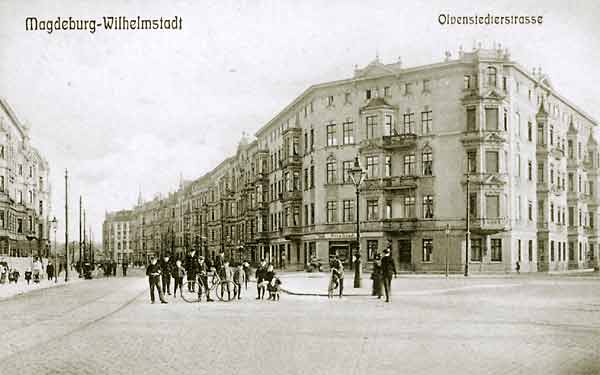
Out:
{"x": 491, "y": 76}
{"x": 467, "y": 82}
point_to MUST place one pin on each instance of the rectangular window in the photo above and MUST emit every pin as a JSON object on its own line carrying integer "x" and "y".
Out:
{"x": 428, "y": 207}
{"x": 473, "y": 205}
{"x": 409, "y": 123}
{"x": 571, "y": 251}
{"x": 540, "y": 173}
{"x": 388, "y": 166}
{"x": 306, "y": 183}
{"x": 552, "y": 251}
{"x": 19, "y": 225}
{"x": 530, "y": 250}
{"x": 305, "y": 214}
{"x": 471, "y": 119}
{"x": 346, "y": 98}
{"x": 571, "y": 216}
{"x": 492, "y": 206}
{"x": 491, "y": 118}
{"x": 348, "y": 132}
{"x": 388, "y": 127}
{"x": 530, "y": 210}
{"x": 409, "y": 207}
{"x": 491, "y": 162}
{"x": 529, "y": 131}
{"x": 408, "y": 88}
{"x": 331, "y": 138}
{"x": 372, "y": 166}
{"x": 372, "y": 210}
{"x": 312, "y": 214}
{"x": 312, "y": 176}
{"x": 331, "y": 212}
{"x": 388, "y": 209}
{"x": 346, "y": 167}
{"x": 368, "y": 94}
{"x": 371, "y": 122}
{"x": 427, "y": 163}
{"x": 372, "y": 246}
{"x": 331, "y": 172}
{"x": 496, "y": 255}
{"x": 427, "y": 249}
{"x": 426, "y": 85}
{"x": 476, "y": 250}
{"x": 466, "y": 82}
{"x": 426, "y": 122}
{"x": 349, "y": 211}
{"x": 472, "y": 161}
{"x": 409, "y": 165}
{"x": 530, "y": 170}
{"x": 387, "y": 91}
{"x": 330, "y": 100}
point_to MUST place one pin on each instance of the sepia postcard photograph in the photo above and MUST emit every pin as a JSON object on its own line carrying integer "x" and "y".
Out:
{"x": 299, "y": 187}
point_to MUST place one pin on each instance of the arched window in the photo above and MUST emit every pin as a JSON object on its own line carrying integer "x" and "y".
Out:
{"x": 491, "y": 75}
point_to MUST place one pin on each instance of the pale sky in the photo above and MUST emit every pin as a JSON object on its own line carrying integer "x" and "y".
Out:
{"x": 124, "y": 109}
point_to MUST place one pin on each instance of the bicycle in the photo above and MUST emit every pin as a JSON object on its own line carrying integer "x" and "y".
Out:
{"x": 224, "y": 289}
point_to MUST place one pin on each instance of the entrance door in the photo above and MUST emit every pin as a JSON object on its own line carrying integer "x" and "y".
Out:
{"x": 404, "y": 255}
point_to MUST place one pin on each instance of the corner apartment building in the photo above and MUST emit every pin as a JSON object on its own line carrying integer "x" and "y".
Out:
{"x": 118, "y": 235}
{"x": 24, "y": 190}
{"x": 478, "y": 134}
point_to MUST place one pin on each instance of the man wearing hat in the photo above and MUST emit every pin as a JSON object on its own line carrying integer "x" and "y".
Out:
{"x": 203, "y": 279}
{"x": 338, "y": 267}
{"x": 153, "y": 272}
{"x": 388, "y": 269}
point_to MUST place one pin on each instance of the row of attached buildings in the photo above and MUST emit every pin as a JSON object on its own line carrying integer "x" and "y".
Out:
{"x": 475, "y": 136}
{"x": 24, "y": 191}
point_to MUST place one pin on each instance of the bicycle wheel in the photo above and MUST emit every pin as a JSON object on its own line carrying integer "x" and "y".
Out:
{"x": 225, "y": 290}
{"x": 191, "y": 291}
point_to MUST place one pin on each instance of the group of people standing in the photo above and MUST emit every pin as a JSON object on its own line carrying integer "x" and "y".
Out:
{"x": 194, "y": 267}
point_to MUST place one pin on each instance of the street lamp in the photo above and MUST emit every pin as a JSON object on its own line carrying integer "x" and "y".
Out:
{"x": 447, "y": 246}
{"x": 54, "y": 224}
{"x": 357, "y": 174}
{"x": 468, "y": 220}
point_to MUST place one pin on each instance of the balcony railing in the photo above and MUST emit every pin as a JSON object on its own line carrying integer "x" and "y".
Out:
{"x": 496, "y": 224}
{"x": 400, "y": 225}
{"x": 399, "y": 140}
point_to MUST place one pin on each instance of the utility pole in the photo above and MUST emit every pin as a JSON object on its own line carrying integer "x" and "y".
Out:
{"x": 468, "y": 234}
{"x": 80, "y": 249}
{"x": 66, "y": 225}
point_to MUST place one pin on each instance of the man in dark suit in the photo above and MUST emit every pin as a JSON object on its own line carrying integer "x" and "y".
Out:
{"x": 388, "y": 270}
{"x": 153, "y": 272}
{"x": 165, "y": 267}
{"x": 191, "y": 266}
{"x": 202, "y": 271}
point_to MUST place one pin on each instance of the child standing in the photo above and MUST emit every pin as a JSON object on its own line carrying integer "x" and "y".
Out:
{"x": 28, "y": 275}
{"x": 178, "y": 274}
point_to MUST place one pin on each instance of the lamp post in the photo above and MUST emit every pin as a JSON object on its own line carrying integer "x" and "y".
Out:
{"x": 54, "y": 224}
{"x": 447, "y": 246}
{"x": 468, "y": 219}
{"x": 357, "y": 174}
{"x": 66, "y": 225}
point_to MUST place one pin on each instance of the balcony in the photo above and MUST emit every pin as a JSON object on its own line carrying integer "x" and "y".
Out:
{"x": 399, "y": 141}
{"x": 487, "y": 178}
{"x": 290, "y": 232}
{"x": 291, "y": 161}
{"x": 399, "y": 182}
{"x": 400, "y": 225}
{"x": 481, "y": 225}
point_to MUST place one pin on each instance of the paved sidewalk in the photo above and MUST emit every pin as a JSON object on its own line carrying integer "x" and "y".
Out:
{"x": 11, "y": 290}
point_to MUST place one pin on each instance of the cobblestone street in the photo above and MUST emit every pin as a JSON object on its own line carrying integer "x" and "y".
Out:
{"x": 530, "y": 325}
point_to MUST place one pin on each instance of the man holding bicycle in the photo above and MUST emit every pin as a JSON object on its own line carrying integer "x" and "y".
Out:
{"x": 203, "y": 272}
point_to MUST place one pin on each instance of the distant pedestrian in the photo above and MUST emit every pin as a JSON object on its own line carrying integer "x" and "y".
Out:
{"x": 153, "y": 272}
{"x": 227, "y": 273}
{"x": 165, "y": 267}
{"x": 261, "y": 286}
{"x": 178, "y": 275}
{"x": 203, "y": 270}
{"x": 37, "y": 270}
{"x": 377, "y": 289}
{"x": 338, "y": 268}
{"x": 50, "y": 270}
{"x": 114, "y": 268}
{"x": 239, "y": 279}
{"x": 518, "y": 267}
{"x": 246, "y": 267}
{"x": 28, "y": 275}
{"x": 13, "y": 276}
{"x": 388, "y": 269}
{"x": 3, "y": 274}
{"x": 357, "y": 270}
{"x": 125, "y": 265}
{"x": 219, "y": 264}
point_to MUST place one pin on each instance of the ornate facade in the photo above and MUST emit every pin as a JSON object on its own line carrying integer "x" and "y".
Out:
{"x": 477, "y": 135}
